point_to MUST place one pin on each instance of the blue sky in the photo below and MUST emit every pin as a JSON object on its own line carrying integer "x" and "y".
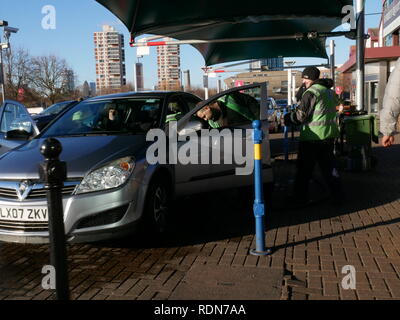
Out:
{"x": 78, "y": 19}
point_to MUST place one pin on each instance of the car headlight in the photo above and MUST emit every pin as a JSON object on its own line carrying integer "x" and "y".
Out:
{"x": 110, "y": 176}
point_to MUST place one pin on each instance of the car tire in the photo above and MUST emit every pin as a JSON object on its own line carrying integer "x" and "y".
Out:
{"x": 157, "y": 211}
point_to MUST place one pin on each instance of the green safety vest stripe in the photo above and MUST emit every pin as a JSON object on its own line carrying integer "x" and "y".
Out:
{"x": 231, "y": 104}
{"x": 321, "y": 123}
{"x": 213, "y": 124}
{"x": 323, "y": 112}
{"x": 173, "y": 117}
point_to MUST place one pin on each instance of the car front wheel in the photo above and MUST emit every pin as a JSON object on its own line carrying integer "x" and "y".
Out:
{"x": 158, "y": 206}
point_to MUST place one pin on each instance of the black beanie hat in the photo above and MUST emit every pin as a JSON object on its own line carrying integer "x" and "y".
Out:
{"x": 311, "y": 73}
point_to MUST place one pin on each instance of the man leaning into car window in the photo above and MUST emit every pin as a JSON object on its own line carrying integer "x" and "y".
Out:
{"x": 224, "y": 112}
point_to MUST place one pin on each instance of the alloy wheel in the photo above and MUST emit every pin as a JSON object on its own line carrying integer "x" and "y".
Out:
{"x": 160, "y": 208}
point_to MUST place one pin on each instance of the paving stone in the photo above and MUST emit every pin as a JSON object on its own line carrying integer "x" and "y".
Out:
{"x": 213, "y": 261}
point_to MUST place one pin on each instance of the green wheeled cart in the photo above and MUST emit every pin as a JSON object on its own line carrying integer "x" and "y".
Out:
{"x": 359, "y": 132}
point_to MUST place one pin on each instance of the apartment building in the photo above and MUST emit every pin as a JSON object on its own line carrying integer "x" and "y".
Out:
{"x": 169, "y": 67}
{"x": 110, "y": 59}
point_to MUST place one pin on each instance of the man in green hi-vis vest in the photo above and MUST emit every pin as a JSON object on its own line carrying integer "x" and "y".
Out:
{"x": 316, "y": 115}
{"x": 234, "y": 108}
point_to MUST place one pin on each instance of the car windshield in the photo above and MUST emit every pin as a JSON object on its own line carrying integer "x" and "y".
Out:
{"x": 55, "y": 108}
{"x": 281, "y": 102}
{"x": 120, "y": 116}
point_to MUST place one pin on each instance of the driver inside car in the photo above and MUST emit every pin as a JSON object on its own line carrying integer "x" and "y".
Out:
{"x": 111, "y": 119}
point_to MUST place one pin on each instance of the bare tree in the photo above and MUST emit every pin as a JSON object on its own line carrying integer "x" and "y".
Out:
{"x": 127, "y": 87}
{"x": 200, "y": 91}
{"x": 124, "y": 88}
{"x": 17, "y": 67}
{"x": 48, "y": 76}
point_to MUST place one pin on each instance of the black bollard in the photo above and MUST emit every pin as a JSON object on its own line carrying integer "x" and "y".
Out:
{"x": 53, "y": 172}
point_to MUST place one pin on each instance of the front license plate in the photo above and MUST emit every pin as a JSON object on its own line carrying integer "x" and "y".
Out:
{"x": 24, "y": 214}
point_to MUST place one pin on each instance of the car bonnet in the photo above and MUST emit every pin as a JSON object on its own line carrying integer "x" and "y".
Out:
{"x": 80, "y": 153}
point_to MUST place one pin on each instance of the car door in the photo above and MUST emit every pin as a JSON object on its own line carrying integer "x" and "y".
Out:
{"x": 189, "y": 175}
{"x": 224, "y": 173}
{"x": 14, "y": 116}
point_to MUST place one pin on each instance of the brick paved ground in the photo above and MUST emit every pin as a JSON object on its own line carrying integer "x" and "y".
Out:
{"x": 311, "y": 246}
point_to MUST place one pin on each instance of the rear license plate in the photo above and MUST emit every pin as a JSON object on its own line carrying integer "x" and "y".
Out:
{"x": 24, "y": 214}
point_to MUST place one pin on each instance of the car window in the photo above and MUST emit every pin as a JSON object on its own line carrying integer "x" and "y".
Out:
{"x": 15, "y": 117}
{"x": 176, "y": 109}
{"x": 54, "y": 109}
{"x": 191, "y": 102}
{"x": 233, "y": 109}
{"x": 108, "y": 116}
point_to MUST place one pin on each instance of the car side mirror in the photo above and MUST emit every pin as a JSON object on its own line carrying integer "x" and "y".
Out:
{"x": 17, "y": 135}
{"x": 194, "y": 125}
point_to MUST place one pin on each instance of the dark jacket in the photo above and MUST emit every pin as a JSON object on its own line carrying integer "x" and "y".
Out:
{"x": 304, "y": 112}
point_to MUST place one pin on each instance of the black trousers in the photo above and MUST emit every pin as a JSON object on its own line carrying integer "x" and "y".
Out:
{"x": 311, "y": 153}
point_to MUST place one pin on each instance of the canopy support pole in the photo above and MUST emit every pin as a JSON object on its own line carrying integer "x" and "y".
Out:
{"x": 360, "y": 73}
{"x": 332, "y": 61}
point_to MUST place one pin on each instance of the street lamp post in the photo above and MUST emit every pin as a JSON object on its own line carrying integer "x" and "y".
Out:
{"x": 3, "y": 96}
{"x": 7, "y": 33}
{"x": 332, "y": 60}
{"x": 2, "y": 24}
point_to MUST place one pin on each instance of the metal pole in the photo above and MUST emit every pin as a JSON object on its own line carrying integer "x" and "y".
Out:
{"x": 360, "y": 73}
{"x": 259, "y": 207}
{"x": 2, "y": 77}
{"x": 293, "y": 87}
{"x": 219, "y": 85}
{"x": 205, "y": 83}
{"x": 53, "y": 172}
{"x": 332, "y": 60}
{"x": 289, "y": 87}
{"x": 135, "y": 77}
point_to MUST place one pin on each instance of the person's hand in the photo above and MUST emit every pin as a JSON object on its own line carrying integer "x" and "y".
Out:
{"x": 387, "y": 141}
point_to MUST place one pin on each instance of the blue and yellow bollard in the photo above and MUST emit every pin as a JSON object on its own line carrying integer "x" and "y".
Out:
{"x": 259, "y": 207}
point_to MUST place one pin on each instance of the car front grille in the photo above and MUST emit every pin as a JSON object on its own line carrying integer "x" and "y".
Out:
{"x": 38, "y": 191}
{"x": 24, "y": 226}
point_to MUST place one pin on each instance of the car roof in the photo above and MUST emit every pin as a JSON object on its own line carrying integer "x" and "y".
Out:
{"x": 155, "y": 94}
{"x": 67, "y": 101}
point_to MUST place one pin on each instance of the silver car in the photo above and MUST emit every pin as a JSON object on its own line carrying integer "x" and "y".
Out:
{"x": 111, "y": 188}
